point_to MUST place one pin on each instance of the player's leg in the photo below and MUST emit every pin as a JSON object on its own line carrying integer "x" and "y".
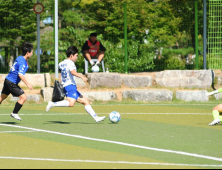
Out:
{"x": 100, "y": 56}
{"x": 3, "y": 97}
{"x": 63, "y": 103}
{"x": 89, "y": 109}
{"x": 88, "y": 57}
{"x": 16, "y": 91}
{"x": 18, "y": 106}
{"x": 216, "y": 115}
{"x": 70, "y": 93}
{"x": 5, "y": 92}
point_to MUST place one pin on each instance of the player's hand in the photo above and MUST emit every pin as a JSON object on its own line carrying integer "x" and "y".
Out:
{"x": 84, "y": 79}
{"x": 30, "y": 86}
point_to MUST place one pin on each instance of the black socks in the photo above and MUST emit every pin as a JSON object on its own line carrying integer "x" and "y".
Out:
{"x": 17, "y": 108}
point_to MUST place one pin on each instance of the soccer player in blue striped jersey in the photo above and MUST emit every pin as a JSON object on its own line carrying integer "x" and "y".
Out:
{"x": 16, "y": 74}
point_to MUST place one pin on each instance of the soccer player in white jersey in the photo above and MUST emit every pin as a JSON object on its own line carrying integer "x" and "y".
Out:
{"x": 68, "y": 73}
{"x": 16, "y": 74}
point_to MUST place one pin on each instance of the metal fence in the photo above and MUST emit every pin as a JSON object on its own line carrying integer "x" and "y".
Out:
{"x": 215, "y": 34}
{"x": 149, "y": 49}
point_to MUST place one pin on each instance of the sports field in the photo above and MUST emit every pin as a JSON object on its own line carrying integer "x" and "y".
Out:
{"x": 147, "y": 136}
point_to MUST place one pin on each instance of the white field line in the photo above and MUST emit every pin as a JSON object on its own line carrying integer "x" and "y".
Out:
{"x": 107, "y": 162}
{"x": 119, "y": 143}
{"x": 62, "y": 114}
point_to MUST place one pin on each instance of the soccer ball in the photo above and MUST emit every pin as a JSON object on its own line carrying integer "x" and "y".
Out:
{"x": 95, "y": 68}
{"x": 114, "y": 117}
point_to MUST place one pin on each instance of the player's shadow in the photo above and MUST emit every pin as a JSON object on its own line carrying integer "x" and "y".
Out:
{"x": 60, "y": 122}
{"x": 57, "y": 122}
{"x": 9, "y": 123}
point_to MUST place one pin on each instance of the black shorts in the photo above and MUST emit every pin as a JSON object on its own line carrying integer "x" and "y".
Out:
{"x": 12, "y": 88}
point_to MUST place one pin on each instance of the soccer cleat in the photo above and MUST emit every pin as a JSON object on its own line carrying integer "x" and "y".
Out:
{"x": 215, "y": 122}
{"x": 16, "y": 116}
{"x": 99, "y": 119}
{"x": 49, "y": 106}
{"x": 212, "y": 93}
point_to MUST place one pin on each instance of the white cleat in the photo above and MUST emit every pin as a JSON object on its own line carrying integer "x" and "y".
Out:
{"x": 16, "y": 116}
{"x": 215, "y": 122}
{"x": 49, "y": 106}
{"x": 211, "y": 93}
{"x": 99, "y": 119}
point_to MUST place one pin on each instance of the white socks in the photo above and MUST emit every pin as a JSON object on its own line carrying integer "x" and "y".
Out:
{"x": 63, "y": 103}
{"x": 97, "y": 63}
{"x": 92, "y": 62}
{"x": 90, "y": 111}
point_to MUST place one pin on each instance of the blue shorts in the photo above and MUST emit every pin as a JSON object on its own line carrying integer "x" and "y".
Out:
{"x": 71, "y": 91}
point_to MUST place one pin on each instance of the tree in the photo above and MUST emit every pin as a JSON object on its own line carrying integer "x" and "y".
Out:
{"x": 107, "y": 18}
{"x": 150, "y": 26}
{"x": 18, "y": 23}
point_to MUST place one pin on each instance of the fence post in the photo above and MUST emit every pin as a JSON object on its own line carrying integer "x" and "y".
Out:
{"x": 196, "y": 33}
{"x": 56, "y": 39}
{"x": 125, "y": 36}
{"x": 205, "y": 34}
{"x": 38, "y": 42}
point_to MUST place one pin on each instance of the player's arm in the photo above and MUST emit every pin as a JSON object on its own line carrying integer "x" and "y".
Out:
{"x": 73, "y": 72}
{"x": 22, "y": 77}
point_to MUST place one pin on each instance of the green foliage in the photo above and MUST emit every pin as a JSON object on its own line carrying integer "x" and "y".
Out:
{"x": 151, "y": 25}
{"x": 17, "y": 23}
{"x": 182, "y": 51}
{"x": 107, "y": 18}
{"x": 200, "y": 63}
{"x": 175, "y": 63}
{"x": 175, "y": 59}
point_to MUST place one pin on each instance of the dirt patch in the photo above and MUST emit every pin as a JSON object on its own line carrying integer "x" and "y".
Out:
{"x": 32, "y": 92}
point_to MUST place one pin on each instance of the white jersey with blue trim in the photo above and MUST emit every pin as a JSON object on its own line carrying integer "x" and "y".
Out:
{"x": 66, "y": 67}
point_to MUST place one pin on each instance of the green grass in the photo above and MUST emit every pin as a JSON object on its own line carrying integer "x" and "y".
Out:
{"x": 145, "y": 125}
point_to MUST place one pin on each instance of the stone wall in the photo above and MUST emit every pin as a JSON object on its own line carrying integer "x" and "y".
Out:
{"x": 200, "y": 79}
{"x": 36, "y": 80}
{"x": 184, "y": 78}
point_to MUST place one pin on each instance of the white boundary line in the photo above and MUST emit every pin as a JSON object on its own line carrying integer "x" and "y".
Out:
{"x": 63, "y": 114}
{"x": 119, "y": 143}
{"x": 107, "y": 162}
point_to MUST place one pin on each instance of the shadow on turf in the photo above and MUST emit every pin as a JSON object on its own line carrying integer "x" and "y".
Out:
{"x": 10, "y": 123}
{"x": 60, "y": 122}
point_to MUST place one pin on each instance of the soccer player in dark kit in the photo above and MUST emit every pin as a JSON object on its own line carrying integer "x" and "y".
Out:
{"x": 16, "y": 74}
